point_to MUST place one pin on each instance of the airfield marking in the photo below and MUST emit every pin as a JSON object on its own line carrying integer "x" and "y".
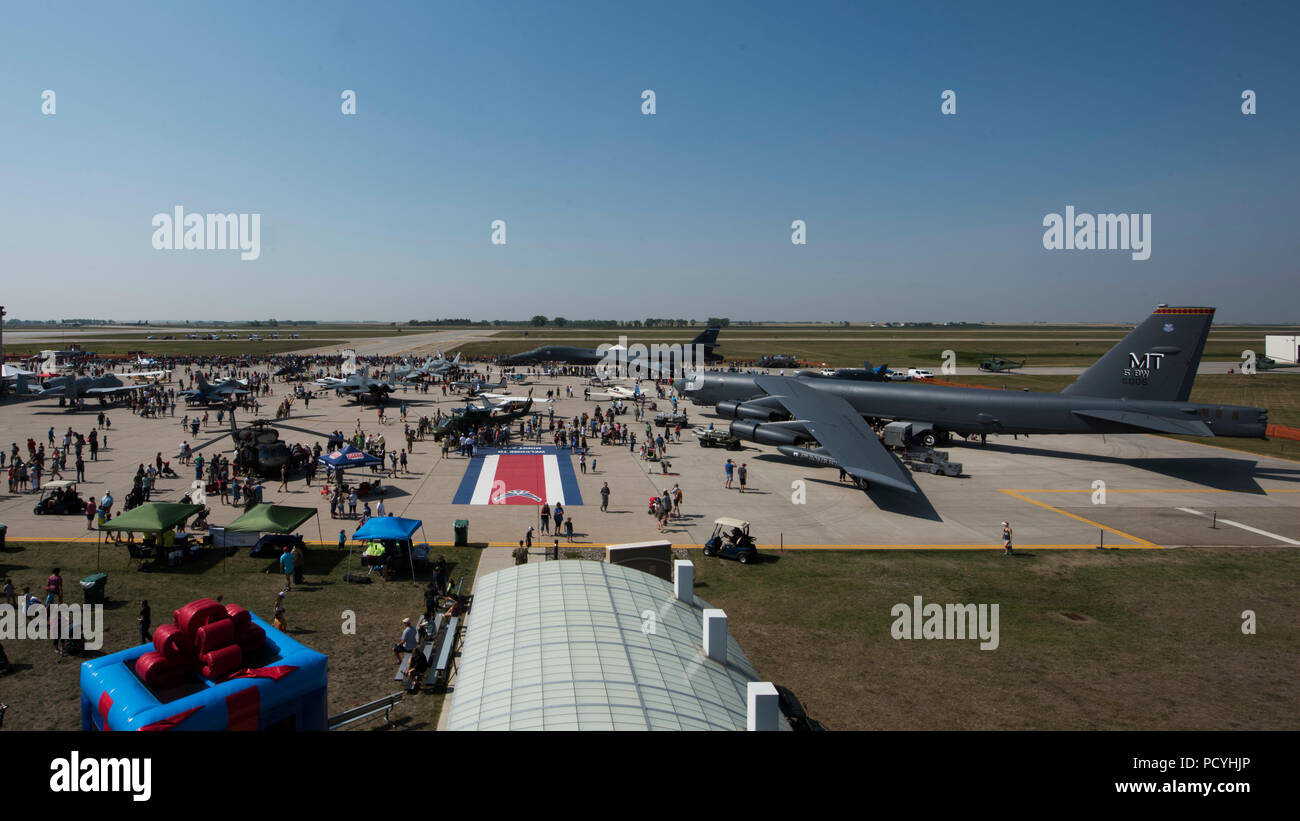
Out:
{"x": 1143, "y": 543}
{"x": 1244, "y": 527}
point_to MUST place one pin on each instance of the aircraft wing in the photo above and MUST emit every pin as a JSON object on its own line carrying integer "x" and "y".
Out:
{"x": 109, "y": 391}
{"x": 833, "y": 422}
{"x": 1151, "y": 422}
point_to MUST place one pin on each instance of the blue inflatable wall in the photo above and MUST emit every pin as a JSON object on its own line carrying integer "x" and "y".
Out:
{"x": 287, "y": 691}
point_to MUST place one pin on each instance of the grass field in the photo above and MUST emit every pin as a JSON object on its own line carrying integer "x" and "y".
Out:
{"x": 1159, "y": 645}
{"x": 114, "y": 344}
{"x": 886, "y": 348}
{"x": 43, "y": 692}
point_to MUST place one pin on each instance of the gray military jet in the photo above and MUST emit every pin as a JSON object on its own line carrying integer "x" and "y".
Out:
{"x": 1140, "y": 386}
{"x": 359, "y": 385}
{"x": 432, "y": 366}
{"x": 72, "y": 388}
{"x": 205, "y": 394}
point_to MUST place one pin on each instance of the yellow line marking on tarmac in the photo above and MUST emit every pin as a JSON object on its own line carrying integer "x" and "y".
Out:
{"x": 1120, "y": 533}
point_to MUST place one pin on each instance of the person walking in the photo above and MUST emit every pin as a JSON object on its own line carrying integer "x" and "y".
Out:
{"x": 1006, "y": 540}
{"x": 286, "y": 567}
{"x": 284, "y": 476}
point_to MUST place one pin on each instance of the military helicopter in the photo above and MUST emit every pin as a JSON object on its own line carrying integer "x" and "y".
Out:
{"x": 258, "y": 448}
{"x": 472, "y": 416}
{"x": 996, "y": 364}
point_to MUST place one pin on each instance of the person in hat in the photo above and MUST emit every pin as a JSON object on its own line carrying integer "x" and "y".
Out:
{"x": 408, "y": 641}
{"x": 286, "y": 567}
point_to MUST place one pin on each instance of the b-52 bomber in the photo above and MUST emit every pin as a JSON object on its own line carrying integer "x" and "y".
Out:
{"x": 617, "y": 355}
{"x": 1141, "y": 385}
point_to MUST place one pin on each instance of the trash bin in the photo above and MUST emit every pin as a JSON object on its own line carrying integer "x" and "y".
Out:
{"x": 3, "y": 529}
{"x": 462, "y": 532}
{"x": 93, "y": 587}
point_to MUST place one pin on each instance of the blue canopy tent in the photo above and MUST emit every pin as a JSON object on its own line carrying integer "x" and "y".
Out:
{"x": 348, "y": 456}
{"x": 388, "y": 528}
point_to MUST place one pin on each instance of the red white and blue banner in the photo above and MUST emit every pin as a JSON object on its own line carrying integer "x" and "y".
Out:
{"x": 519, "y": 475}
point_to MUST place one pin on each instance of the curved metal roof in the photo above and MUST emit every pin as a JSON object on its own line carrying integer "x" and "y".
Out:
{"x": 585, "y": 645}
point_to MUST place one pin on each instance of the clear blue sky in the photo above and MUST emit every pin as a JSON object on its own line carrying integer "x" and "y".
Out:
{"x": 767, "y": 113}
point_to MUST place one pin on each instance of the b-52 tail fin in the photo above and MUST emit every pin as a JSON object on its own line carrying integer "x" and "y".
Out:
{"x": 1157, "y": 360}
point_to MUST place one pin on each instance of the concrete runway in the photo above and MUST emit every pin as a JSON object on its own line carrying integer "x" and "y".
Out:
{"x": 1160, "y": 492}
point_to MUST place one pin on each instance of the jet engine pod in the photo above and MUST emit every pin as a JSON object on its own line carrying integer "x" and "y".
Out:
{"x": 764, "y": 409}
{"x": 772, "y": 433}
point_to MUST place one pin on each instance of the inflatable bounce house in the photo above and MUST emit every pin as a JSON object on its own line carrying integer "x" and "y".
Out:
{"x": 213, "y": 668}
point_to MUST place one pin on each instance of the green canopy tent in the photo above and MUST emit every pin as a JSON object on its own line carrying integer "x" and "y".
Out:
{"x": 269, "y": 518}
{"x": 150, "y": 517}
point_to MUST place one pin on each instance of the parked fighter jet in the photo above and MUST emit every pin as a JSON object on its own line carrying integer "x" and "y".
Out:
{"x": 73, "y": 388}
{"x": 205, "y": 394}
{"x": 359, "y": 385}
{"x": 432, "y": 366}
{"x": 569, "y": 355}
{"x": 477, "y": 387}
{"x": 1140, "y": 386}
{"x": 438, "y": 365}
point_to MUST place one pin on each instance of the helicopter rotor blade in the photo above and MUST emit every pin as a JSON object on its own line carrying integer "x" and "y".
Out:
{"x": 305, "y": 430}
{"x": 210, "y": 441}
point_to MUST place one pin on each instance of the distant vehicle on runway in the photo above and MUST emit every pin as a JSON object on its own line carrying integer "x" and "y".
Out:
{"x": 779, "y": 360}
